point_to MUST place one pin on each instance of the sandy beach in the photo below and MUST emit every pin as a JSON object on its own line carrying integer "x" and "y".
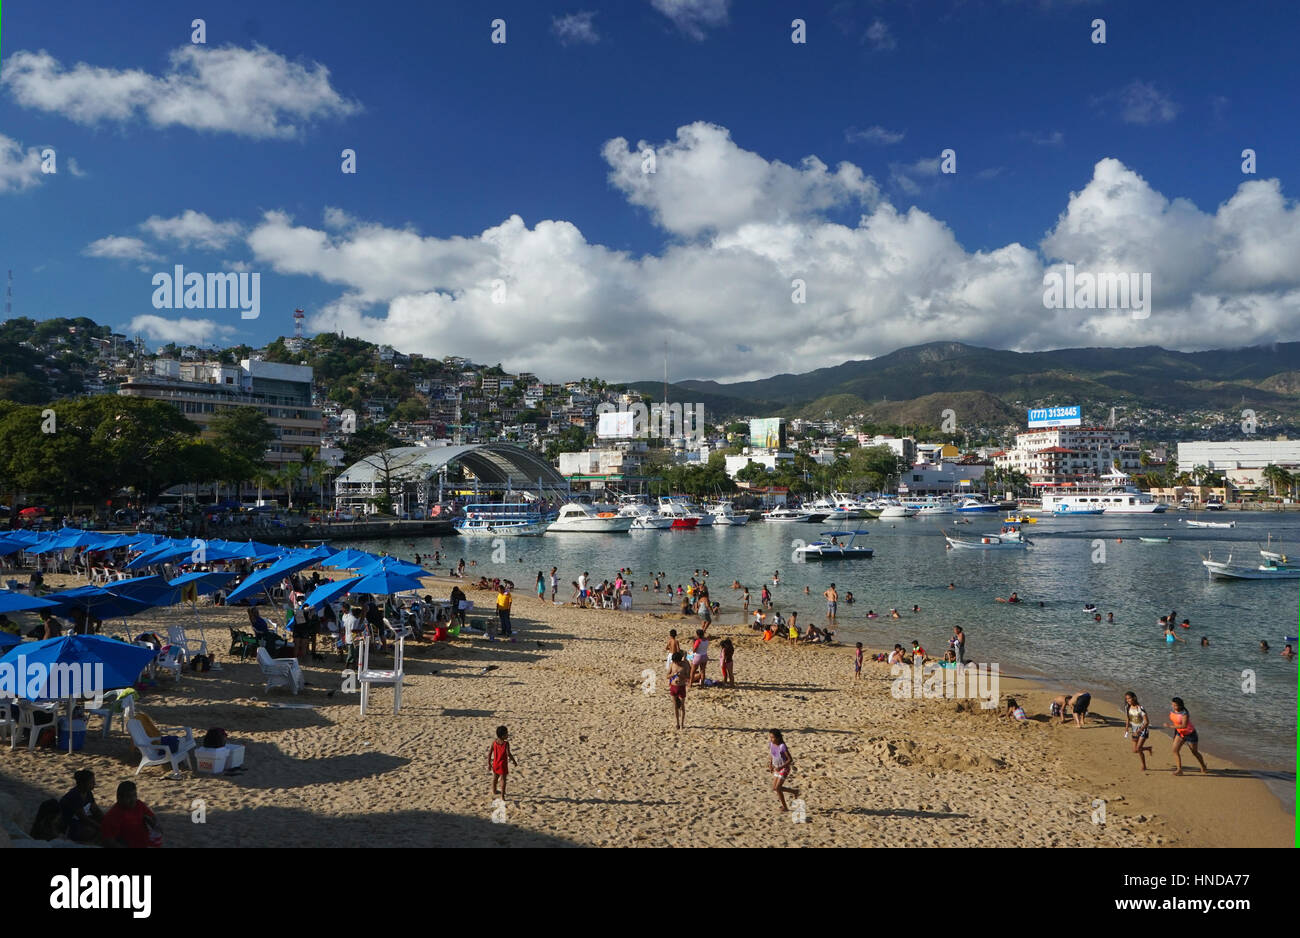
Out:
{"x": 600, "y": 763}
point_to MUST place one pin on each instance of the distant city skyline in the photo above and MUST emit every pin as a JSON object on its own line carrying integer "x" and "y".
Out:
{"x": 565, "y": 201}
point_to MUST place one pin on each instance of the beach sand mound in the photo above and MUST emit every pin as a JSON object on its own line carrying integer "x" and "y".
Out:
{"x": 904, "y": 752}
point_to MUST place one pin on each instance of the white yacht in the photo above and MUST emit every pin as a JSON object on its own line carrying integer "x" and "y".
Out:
{"x": 1009, "y": 538}
{"x": 501, "y": 520}
{"x": 928, "y": 505}
{"x": 576, "y": 517}
{"x": 681, "y": 506}
{"x": 786, "y": 514}
{"x": 644, "y": 518}
{"x": 971, "y": 505}
{"x": 834, "y": 548}
{"x": 893, "y": 509}
{"x": 672, "y": 509}
{"x": 723, "y": 513}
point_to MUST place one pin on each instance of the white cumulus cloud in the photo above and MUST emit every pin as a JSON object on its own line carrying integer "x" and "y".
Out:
{"x": 192, "y": 229}
{"x": 248, "y": 92}
{"x": 694, "y": 17}
{"x": 182, "y": 331}
{"x": 576, "y": 28}
{"x": 118, "y": 248}
{"x": 19, "y": 169}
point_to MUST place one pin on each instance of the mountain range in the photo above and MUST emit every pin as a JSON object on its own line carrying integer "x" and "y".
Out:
{"x": 992, "y": 387}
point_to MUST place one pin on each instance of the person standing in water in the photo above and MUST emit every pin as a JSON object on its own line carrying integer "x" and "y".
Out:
{"x": 832, "y": 603}
{"x": 1180, "y": 721}
{"x": 1138, "y": 727}
{"x": 958, "y": 643}
{"x": 781, "y": 765}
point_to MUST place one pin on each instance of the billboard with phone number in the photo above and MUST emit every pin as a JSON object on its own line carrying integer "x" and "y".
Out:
{"x": 1056, "y": 417}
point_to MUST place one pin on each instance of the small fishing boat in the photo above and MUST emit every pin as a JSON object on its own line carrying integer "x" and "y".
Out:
{"x": 834, "y": 549}
{"x": 786, "y": 514}
{"x": 1009, "y": 538}
{"x": 1155, "y": 540}
{"x": 1269, "y": 570}
{"x": 1208, "y": 524}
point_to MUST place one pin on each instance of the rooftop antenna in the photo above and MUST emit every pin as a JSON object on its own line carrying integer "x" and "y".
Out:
{"x": 297, "y": 324}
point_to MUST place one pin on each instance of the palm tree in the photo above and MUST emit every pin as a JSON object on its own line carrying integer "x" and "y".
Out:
{"x": 1276, "y": 477}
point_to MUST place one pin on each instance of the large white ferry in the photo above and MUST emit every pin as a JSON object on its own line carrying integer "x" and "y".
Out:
{"x": 1115, "y": 494}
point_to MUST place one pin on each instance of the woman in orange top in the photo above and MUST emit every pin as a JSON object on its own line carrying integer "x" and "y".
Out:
{"x": 1181, "y": 724}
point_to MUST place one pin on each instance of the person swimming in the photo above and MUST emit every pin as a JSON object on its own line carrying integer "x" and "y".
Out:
{"x": 871, "y": 614}
{"x": 1089, "y": 607}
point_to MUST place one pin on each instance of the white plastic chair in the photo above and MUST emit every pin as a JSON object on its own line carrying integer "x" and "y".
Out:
{"x": 8, "y": 725}
{"x": 171, "y": 658}
{"x": 27, "y": 711}
{"x": 367, "y": 675}
{"x": 280, "y": 672}
{"x": 154, "y": 752}
{"x": 124, "y": 705}
{"x": 191, "y": 647}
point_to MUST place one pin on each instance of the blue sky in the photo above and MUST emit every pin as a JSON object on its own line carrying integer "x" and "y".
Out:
{"x": 232, "y": 148}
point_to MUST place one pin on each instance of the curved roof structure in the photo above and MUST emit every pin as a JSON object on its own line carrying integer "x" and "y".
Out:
{"x": 493, "y": 463}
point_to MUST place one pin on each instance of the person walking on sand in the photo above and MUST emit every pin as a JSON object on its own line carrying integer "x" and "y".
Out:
{"x": 678, "y": 675}
{"x": 832, "y": 602}
{"x": 541, "y": 586}
{"x": 1180, "y": 721}
{"x": 857, "y": 663}
{"x": 781, "y": 765}
{"x": 499, "y": 759}
{"x": 1138, "y": 727}
{"x": 555, "y": 583}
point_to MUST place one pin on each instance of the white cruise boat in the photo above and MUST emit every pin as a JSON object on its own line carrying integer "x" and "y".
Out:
{"x": 1115, "y": 494}
{"x": 786, "y": 514}
{"x": 577, "y": 518}
{"x": 723, "y": 513}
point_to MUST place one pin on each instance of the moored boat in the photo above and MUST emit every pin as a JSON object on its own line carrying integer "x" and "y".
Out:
{"x": 834, "y": 549}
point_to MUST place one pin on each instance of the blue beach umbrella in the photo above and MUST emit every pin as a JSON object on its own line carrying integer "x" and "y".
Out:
{"x": 18, "y": 602}
{"x": 8, "y": 640}
{"x": 349, "y": 559}
{"x": 328, "y": 592}
{"x": 393, "y": 565}
{"x": 384, "y": 582}
{"x": 112, "y": 664}
{"x": 97, "y": 601}
{"x": 152, "y": 590}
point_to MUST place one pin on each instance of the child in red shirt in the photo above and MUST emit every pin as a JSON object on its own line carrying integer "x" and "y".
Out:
{"x": 499, "y": 758}
{"x": 130, "y": 823}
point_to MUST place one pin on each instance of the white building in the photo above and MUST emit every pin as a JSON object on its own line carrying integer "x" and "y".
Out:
{"x": 941, "y": 478}
{"x": 1068, "y": 454}
{"x": 904, "y": 447}
{"x": 767, "y": 459}
{"x": 1241, "y": 461}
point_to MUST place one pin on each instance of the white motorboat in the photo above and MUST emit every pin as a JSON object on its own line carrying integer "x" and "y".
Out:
{"x": 1215, "y": 503}
{"x": 786, "y": 514}
{"x": 1208, "y": 524}
{"x": 501, "y": 520}
{"x": 674, "y": 507}
{"x": 722, "y": 513}
{"x": 577, "y": 518}
{"x": 830, "y": 547}
{"x": 892, "y": 509}
{"x": 1272, "y": 556}
{"x": 976, "y": 505}
{"x": 1009, "y": 538}
{"x": 644, "y": 518}
{"x": 930, "y": 505}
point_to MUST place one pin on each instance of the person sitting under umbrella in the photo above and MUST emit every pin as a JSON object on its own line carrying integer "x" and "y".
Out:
{"x": 81, "y": 816}
{"x": 262, "y": 630}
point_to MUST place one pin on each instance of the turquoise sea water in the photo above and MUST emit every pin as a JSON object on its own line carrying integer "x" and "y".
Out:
{"x": 1058, "y": 642}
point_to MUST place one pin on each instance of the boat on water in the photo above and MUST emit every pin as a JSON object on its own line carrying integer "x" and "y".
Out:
{"x": 830, "y": 547}
{"x": 579, "y": 518}
{"x": 1208, "y": 524}
{"x": 1114, "y": 493}
{"x": 975, "y": 505}
{"x": 1009, "y": 538}
{"x": 1215, "y": 503}
{"x": 1020, "y": 519}
{"x": 1268, "y": 570}
{"x": 723, "y": 514}
{"x": 644, "y": 518}
{"x": 502, "y": 520}
{"x": 674, "y": 507}
{"x": 1155, "y": 540}
{"x": 894, "y": 509}
{"x": 842, "y": 505}
{"x": 929, "y": 505}
{"x": 786, "y": 514}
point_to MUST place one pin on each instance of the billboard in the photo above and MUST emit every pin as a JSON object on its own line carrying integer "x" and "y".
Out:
{"x": 767, "y": 432}
{"x": 620, "y": 424}
{"x": 1071, "y": 416}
